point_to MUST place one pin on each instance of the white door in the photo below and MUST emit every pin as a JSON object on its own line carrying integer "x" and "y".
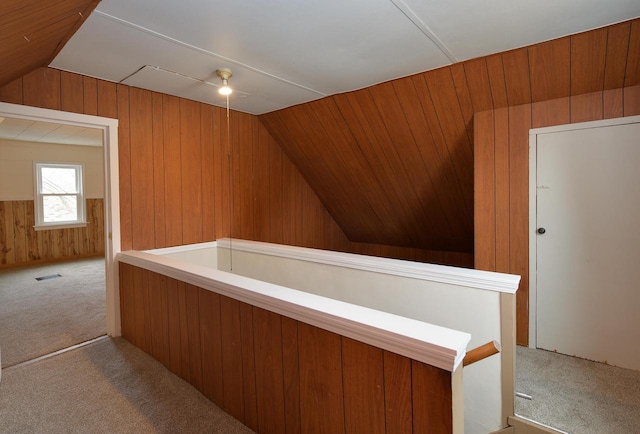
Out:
{"x": 588, "y": 258}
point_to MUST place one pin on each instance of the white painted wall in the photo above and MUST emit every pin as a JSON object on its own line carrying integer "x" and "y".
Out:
{"x": 16, "y": 167}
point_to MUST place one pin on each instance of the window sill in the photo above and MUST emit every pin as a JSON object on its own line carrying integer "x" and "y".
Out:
{"x": 60, "y": 226}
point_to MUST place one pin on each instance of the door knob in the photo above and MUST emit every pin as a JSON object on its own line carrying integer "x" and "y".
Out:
{"x": 541, "y": 231}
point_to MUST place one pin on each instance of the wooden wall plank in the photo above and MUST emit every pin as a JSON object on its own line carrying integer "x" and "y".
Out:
{"x": 125, "y": 273}
{"x": 588, "y": 53}
{"x": 211, "y": 341}
{"x": 516, "y": 75}
{"x": 632, "y": 100}
{"x": 276, "y": 201}
{"x": 41, "y": 88}
{"x": 124, "y": 168}
{"x": 34, "y": 241}
{"x": 364, "y": 385}
{"x": 495, "y": 69}
{"x": 261, "y": 179}
{"x": 248, "y": 367}
{"x": 208, "y": 173}
{"x": 71, "y": 92}
{"x": 464, "y": 98}
{"x": 159, "y": 321}
{"x": 142, "y": 177}
{"x": 431, "y": 399}
{"x": 612, "y": 104}
{"x": 397, "y": 390}
{"x": 137, "y": 290}
{"x": 175, "y": 335}
{"x": 588, "y": 106}
{"x": 147, "y": 281}
{"x": 477, "y": 76}
{"x": 183, "y": 318}
{"x": 108, "y": 101}
{"x": 19, "y": 231}
{"x": 191, "y": 171}
{"x": 172, "y": 170}
{"x": 321, "y": 392}
{"x": 269, "y": 371}
{"x": 159, "y": 204}
{"x": 291, "y": 376}
{"x": 232, "y": 358}
{"x": 549, "y": 65}
{"x": 449, "y": 192}
{"x": 632, "y": 74}
{"x": 502, "y": 199}
{"x": 550, "y": 113}
{"x": 485, "y": 197}
{"x": 193, "y": 334}
{"x": 222, "y": 158}
{"x": 519, "y": 125}
{"x": 12, "y": 92}
{"x": 616, "y": 60}
{"x": 244, "y": 188}
{"x": 90, "y": 95}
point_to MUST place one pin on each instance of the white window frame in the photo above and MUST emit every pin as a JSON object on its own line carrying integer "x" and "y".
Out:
{"x": 40, "y": 224}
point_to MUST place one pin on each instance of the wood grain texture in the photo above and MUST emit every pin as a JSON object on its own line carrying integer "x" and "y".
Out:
{"x": 431, "y": 399}
{"x": 291, "y": 376}
{"x": 550, "y": 69}
{"x": 124, "y": 168}
{"x": 588, "y": 55}
{"x": 232, "y": 358}
{"x": 33, "y": 32}
{"x": 485, "y": 205}
{"x": 269, "y": 370}
{"x": 364, "y": 397}
{"x": 397, "y": 393}
{"x": 248, "y": 367}
{"x": 191, "y": 171}
{"x": 321, "y": 389}
{"x": 22, "y": 245}
{"x": 277, "y": 374}
{"x": 211, "y": 341}
{"x": 141, "y": 142}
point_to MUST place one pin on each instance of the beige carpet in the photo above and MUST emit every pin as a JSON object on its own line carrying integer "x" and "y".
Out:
{"x": 576, "y": 395}
{"x": 105, "y": 387}
{"x": 40, "y": 317}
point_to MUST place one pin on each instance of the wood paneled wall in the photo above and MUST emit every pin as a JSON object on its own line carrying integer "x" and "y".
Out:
{"x": 502, "y": 177}
{"x": 33, "y": 32}
{"x": 275, "y": 374}
{"x": 20, "y": 244}
{"x": 393, "y": 163}
{"x": 176, "y": 186}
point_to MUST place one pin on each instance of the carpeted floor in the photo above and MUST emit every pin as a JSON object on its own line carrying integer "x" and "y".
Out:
{"x": 40, "y": 317}
{"x": 577, "y": 395}
{"x": 105, "y": 387}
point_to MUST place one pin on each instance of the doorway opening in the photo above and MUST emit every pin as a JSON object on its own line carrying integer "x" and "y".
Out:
{"x": 576, "y": 172}
{"x": 109, "y": 129}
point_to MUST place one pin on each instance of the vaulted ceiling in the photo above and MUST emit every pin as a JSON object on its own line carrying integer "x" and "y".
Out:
{"x": 32, "y": 32}
{"x": 387, "y": 147}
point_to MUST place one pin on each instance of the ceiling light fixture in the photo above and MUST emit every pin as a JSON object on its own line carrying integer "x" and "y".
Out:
{"x": 224, "y": 75}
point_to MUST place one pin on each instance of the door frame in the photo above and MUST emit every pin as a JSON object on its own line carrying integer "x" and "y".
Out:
{"x": 109, "y": 129}
{"x": 533, "y": 209}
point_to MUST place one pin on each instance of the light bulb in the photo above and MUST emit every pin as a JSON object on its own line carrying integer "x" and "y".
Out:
{"x": 225, "y": 89}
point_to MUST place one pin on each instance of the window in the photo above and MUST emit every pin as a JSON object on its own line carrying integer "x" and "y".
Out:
{"x": 59, "y": 195}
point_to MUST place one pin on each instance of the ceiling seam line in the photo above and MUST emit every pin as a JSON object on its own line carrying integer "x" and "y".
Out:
{"x": 202, "y": 50}
{"x": 424, "y": 29}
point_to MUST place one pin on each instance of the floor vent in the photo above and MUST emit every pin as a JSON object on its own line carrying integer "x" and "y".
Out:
{"x": 51, "y": 276}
